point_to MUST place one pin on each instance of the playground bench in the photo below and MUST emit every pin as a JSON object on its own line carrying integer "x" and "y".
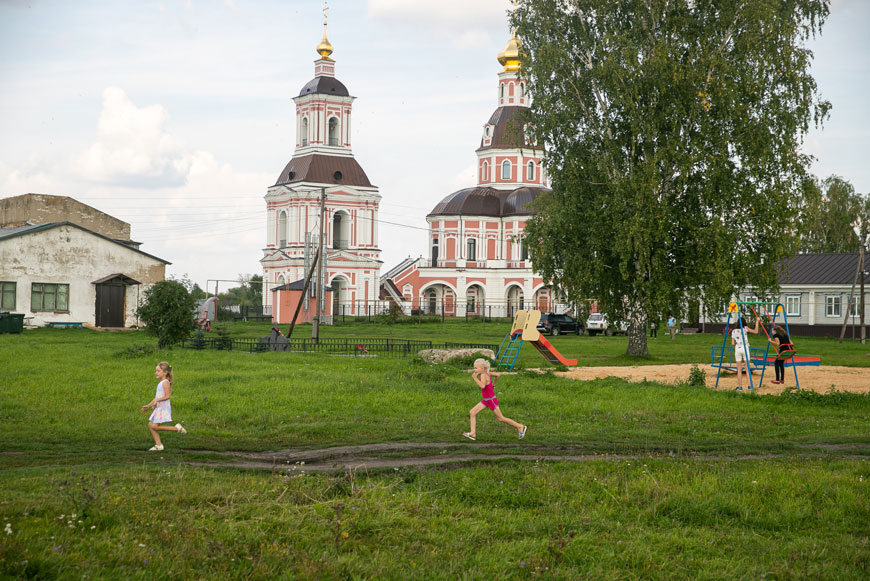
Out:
{"x": 65, "y": 325}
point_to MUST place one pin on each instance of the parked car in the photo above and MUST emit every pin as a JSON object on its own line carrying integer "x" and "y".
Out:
{"x": 556, "y": 324}
{"x": 598, "y": 323}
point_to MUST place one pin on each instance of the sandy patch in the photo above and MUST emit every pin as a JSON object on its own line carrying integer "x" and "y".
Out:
{"x": 819, "y": 379}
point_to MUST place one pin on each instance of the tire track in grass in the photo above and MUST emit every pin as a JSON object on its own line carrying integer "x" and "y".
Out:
{"x": 378, "y": 456}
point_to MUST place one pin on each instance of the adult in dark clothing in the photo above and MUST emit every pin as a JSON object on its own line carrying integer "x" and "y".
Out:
{"x": 783, "y": 343}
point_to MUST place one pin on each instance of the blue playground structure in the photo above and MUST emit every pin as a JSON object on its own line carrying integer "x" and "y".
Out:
{"x": 756, "y": 358}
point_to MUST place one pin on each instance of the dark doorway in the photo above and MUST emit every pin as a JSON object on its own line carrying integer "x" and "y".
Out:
{"x": 110, "y": 305}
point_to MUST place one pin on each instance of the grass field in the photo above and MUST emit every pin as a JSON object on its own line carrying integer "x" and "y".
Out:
{"x": 615, "y": 480}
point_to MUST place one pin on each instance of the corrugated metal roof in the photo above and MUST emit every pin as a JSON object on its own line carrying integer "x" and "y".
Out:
{"x": 830, "y": 268}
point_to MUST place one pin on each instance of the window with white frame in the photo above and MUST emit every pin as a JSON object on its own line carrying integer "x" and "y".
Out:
{"x": 471, "y": 249}
{"x": 855, "y": 306}
{"x": 46, "y": 296}
{"x": 282, "y": 229}
{"x": 333, "y": 131}
{"x": 832, "y": 305}
{"x": 506, "y": 170}
{"x": 750, "y": 299}
{"x": 7, "y": 296}
{"x": 530, "y": 172}
{"x": 304, "y": 131}
{"x": 793, "y": 305}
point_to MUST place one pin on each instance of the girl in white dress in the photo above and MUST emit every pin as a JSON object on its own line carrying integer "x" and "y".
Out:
{"x": 162, "y": 408}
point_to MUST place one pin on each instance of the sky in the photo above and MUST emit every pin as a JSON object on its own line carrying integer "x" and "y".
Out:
{"x": 177, "y": 115}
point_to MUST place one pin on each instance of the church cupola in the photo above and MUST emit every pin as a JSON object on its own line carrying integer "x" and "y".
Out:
{"x": 323, "y": 107}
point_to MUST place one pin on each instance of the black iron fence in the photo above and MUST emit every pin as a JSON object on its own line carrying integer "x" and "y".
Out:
{"x": 354, "y": 347}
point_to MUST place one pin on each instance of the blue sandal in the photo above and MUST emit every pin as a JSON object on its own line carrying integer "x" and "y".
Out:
{"x": 522, "y": 433}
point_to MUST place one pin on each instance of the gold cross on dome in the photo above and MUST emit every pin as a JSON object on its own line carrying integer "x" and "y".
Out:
{"x": 325, "y": 9}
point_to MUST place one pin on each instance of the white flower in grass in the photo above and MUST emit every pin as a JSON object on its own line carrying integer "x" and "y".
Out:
{"x": 8, "y": 529}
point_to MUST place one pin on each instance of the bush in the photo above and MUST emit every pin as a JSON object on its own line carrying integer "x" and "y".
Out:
{"x": 223, "y": 342}
{"x": 697, "y": 377}
{"x": 168, "y": 312}
{"x": 198, "y": 340}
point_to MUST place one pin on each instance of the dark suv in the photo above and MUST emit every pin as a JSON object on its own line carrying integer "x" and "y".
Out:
{"x": 558, "y": 324}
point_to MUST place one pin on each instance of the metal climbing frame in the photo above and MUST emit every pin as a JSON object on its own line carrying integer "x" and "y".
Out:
{"x": 752, "y": 357}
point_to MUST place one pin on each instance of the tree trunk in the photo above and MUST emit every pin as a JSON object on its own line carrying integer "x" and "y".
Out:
{"x": 637, "y": 333}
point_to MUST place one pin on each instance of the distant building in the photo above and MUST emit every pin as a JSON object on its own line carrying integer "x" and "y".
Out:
{"x": 814, "y": 291}
{"x": 62, "y": 261}
{"x": 477, "y": 262}
{"x": 323, "y": 164}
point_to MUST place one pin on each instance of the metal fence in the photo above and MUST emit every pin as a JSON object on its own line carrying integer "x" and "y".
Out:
{"x": 354, "y": 347}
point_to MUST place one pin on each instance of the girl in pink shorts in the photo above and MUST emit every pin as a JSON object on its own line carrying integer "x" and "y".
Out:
{"x": 486, "y": 381}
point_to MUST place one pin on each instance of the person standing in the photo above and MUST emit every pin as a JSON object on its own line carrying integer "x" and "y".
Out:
{"x": 783, "y": 346}
{"x": 672, "y": 325}
{"x": 653, "y": 329}
{"x": 741, "y": 349}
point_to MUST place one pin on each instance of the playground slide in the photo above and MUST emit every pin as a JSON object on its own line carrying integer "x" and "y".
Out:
{"x": 550, "y": 353}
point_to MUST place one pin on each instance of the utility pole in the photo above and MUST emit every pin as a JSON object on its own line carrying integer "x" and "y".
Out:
{"x": 315, "y": 327}
{"x": 863, "y": 329}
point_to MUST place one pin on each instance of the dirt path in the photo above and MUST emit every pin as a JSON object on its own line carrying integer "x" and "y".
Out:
{"x": 820, "y": 379}
{"x": 410, "y": 454}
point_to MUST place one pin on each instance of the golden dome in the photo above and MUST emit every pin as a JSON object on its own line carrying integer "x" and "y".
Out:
{"x": 509, "y": 57}
{"x": 324, "y": 49}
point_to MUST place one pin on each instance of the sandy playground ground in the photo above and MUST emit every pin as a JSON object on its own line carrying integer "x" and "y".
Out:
{"x": 820, "y": 379}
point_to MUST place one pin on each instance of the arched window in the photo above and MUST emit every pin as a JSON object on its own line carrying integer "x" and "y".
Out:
{"x": 522, "y": 90}
{"x": 501, "y": 91}
{"x": 282, "y": 229}
{"x": 530, "y": 172}
{"x": 333, "y": 131}
{"x": 305, "y": 131}
{"x": 484, "y": 172}
{"x": 506, "y": 170}
{"x": 434, "y": 252}
{"x": 471, "y": 249}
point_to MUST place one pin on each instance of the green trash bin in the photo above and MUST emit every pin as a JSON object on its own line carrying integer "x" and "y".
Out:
{"x": 11, "y": 322}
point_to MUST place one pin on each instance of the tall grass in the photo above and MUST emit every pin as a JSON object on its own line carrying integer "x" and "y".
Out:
{"x": 689, "y": 482}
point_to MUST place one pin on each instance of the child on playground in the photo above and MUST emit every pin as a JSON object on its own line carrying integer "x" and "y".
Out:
{"x": 783, "y": 343}
{"x": 160, "y": 404}
{"x": 486, "y": 381}
{"x": 741, "y": 349}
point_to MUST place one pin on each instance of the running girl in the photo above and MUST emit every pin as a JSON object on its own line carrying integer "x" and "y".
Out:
{"x": 162, "y": 409}
{"x": 486, "y": 381}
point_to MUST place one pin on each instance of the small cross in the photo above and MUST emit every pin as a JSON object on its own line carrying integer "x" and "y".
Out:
{"x": 326, "y": 8}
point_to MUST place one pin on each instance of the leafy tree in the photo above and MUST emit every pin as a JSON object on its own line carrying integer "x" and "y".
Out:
{"x": 168, "y": 312}
{"x": 673, "y": 132}
{"x": 831, "y": 215}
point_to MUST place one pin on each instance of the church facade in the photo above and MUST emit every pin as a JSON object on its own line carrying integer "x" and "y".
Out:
{"x": 477, "y": 261}
{"x": 324, "y": 189}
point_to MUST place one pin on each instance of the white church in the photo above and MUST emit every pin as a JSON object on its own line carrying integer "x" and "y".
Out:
{"x": 323, "y": 164}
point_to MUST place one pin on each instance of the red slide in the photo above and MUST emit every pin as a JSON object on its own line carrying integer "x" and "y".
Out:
{"x": 550, "y": 353}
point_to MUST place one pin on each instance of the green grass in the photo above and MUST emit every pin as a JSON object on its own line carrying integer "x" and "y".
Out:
{"x": 687, "y": 482}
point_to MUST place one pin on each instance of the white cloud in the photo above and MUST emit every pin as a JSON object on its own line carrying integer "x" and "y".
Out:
{"x": 466, "y": 24}
{"x": 133, "y": 148}
{"x": 26, "y": 178}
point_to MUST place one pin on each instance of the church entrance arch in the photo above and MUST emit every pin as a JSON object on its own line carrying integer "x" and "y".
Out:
{"x": 439, "y": 298}
{"x": 514, "y": 299}
{"x": 474, "y": 299}
{"x": 340, "y": 304}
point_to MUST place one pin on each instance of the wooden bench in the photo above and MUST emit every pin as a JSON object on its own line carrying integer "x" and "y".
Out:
{"x": 66, "y": 325}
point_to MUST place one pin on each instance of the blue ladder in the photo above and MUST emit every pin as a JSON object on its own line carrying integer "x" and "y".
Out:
{"x": 509, "y": 350}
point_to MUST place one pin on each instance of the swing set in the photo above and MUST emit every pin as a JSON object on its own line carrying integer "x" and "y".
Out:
{"x": 756, "y": 358}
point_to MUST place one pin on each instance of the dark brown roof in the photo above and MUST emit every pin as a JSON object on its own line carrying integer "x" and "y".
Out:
{"x": 325, "y": 85}
{"x": 508, "y": 129}
{"x": 820, "y": 269}
{"x": 324, "y": 169}
{"x": 482, "y": 201}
